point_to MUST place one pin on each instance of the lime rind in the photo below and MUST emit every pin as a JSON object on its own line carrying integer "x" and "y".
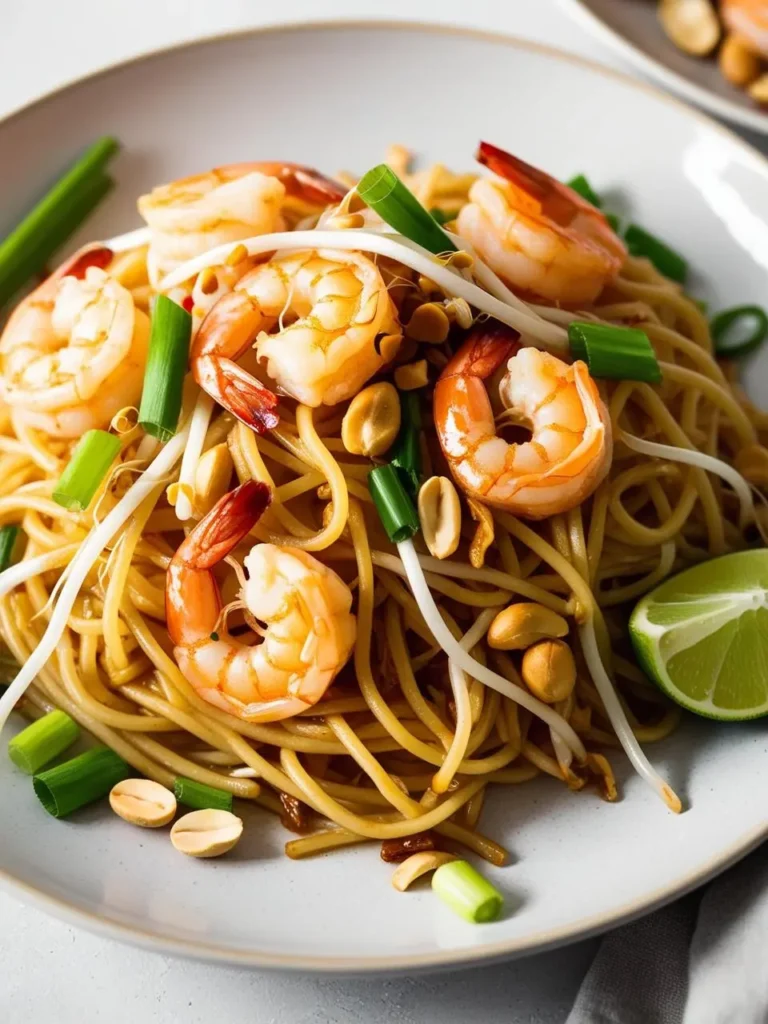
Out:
{"x": 708, "y": 650}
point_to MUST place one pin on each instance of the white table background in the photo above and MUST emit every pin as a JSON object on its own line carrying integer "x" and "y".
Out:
{"x": 50, "y": 972}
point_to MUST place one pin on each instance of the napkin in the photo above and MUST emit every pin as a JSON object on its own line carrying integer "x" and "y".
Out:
{"x": 701, "y": 960}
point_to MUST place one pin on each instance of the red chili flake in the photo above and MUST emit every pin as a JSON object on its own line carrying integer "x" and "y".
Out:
{"x": 188, "y": 303}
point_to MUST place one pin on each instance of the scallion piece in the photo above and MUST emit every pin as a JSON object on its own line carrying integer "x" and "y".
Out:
{"x": 582, "y": 186}
{"x": 406, "y": 451}
{"x": 443, "y": 216}
{"x": 615, "y": 353}
{"x": 27, "y": 249}
{"x": 668, "y": 262}
{"x": 465, "y": 891}
{"x": 382, "y": 190}
{"x": 614, "y": 221}
{"x": 199, "y": 796}
{"x": 166, "y": 366}
{"x": 9, "y": 535}
{"x": 81, "y": 781}
{"x": 94, "y": 454}
{"x": 42, "y": 741}
{"x": 703, "y": 306}
{"x": 730, "y": 342}
{"x": 396, "y": 510}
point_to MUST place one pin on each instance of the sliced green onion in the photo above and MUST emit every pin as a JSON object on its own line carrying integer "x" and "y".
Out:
{"x": 406, "y": 451}
{"x": 199, "y": 796}
{"x": 581, "y": 185}
{"x": 614, "y": 221}
{"x": 466, "y": 891}
{"x": 396, "y": 510}
{"x": 615, "y": 353}
{"x": 81, "y": 781}
{"x": 9, "y": 535}
{"x": 42, "y": 741}
{"x": 722, "y": 327}
{"x": 30, "y": 245}
{"x": 703, "y": 305}
{"x": 94, "y": 454}
{"x": 443, "y": 216}
{"x": 668, "y": 262}
{"x": 166, "y": 366}
{"x": 382, "y": 190}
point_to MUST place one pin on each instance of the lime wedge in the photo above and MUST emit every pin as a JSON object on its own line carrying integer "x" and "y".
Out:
{"x": 702, "y": 636}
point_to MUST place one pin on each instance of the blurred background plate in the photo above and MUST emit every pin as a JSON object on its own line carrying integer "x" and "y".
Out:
{"x": 632, "y": 28}
{"x": 334, "y": 96}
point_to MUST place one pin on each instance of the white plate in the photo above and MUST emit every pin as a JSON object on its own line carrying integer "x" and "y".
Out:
{"x": 334, "y": 96}
{"x": 633, "y": 29}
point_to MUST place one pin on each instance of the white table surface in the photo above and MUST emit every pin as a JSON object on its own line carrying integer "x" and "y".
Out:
{"x": 50, "y": 972}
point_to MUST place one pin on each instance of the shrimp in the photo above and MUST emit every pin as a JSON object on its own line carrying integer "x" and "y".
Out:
{"x": 310, "y": 631}
{"x": 190, "y": 216}
{"x": 74, "y": 351}
{"x": 569, "y": 452}
{"x": 748, "y": 19}
{"x": 342, "y": 328}
{"x": 538, "y": 234}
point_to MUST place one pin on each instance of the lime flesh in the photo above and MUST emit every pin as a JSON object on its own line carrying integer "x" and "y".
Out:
{"x": 702, "y": 636}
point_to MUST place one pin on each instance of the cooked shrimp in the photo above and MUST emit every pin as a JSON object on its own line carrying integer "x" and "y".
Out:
{"x": 538, "y": 234}
{"x": 749, "y": 20}
{"x": 73, "y": 352}
{"x": 570, "y": 449}
{"x": 305, "y": 607}
{"x": 190, "y": 216}
{"x": 337, "y": 326}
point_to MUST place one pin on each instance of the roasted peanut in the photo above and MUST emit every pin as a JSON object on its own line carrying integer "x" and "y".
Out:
{"x": 440, "y": 516}
{"x": 692, "y": 25}
{"x": 212, "y": 477}
{"x": 142, "y": 802}
{"x": 759, "y": 89}
{"x": 549, "y": 670}
{"x": 412, "y": 376}
{"x": 371, "y": 422}
{"x": 429, "y": 323}
{"x": 207, "y": 833}
{"x": 523, "y": 624}
{"x": 737, "y": 63}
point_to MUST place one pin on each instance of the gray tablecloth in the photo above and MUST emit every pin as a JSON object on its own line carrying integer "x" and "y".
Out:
{"x": 702, "y": 960}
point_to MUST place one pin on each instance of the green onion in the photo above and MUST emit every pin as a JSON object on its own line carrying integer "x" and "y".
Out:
{"x": 722, "y": 326}
{"x": 616, "y": 353}
{"x": 406, "y": 451}
{"x": 382, "y": 190}
{"x": 581, "y": 185}
{"x": 81, "y": 781}
{"x": 42, "y": 741}
{"x": 703, "y": 305}
{"x": 30, "y": 245}
{"x": 443, "y": 216}
{"x": 166, "y": 366}
{"x": 614, "y": 221}
{"x": 466, "y": 891}
{"x": 94, "y": 454}
{"x": 396, "y": 510}
{"x": 198, "y": 795}
{"x": 666, "y": 260}
{"x": 9, "y": 535}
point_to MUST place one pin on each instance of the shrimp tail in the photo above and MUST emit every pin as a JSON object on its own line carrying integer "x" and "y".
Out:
{"x": 229, "y": 521}
{"x": 94, "y": 255}
{"x": 192, "y": 602}
{"x": 224, "y": 335}
{"x": 487, "y": 346}
{"x": 552, "y": 198}
{"x": 302, "y": 182}
{"x": 238, "y": 392}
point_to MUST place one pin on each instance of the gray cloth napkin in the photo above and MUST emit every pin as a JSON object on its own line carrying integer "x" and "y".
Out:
{"x": 702, "y": 960}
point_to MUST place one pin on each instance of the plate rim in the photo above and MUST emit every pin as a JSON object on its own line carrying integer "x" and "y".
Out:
{"x": 747, "y": 118}
{"x": 532, "y": 943}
